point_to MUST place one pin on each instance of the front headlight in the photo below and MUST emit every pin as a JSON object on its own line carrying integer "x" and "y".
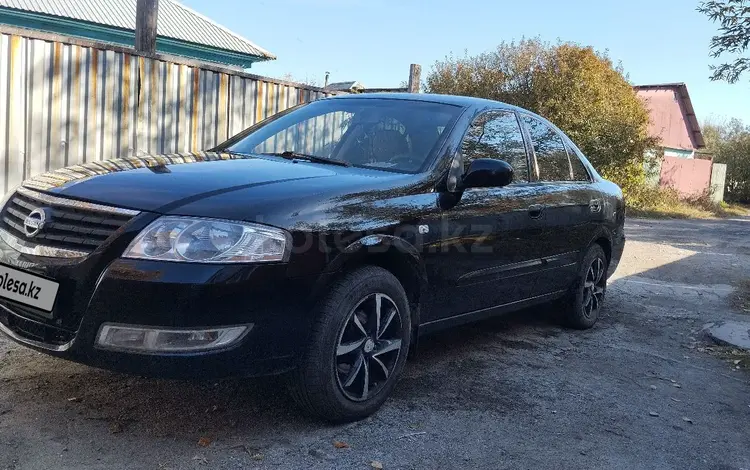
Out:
{"x": 198, "y": 240}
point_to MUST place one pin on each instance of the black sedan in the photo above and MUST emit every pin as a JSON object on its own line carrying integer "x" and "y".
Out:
{"x": 319, "y": 243}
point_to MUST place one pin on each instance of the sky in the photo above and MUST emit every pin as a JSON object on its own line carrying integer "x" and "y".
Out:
{"x": 374, "y": 41}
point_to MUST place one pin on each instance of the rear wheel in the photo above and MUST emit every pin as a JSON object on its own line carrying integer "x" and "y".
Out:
{"x": 587, "y": 296}
{"x": 357, "y": 349}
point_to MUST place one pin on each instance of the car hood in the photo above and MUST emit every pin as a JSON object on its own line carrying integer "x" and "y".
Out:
{"x": 170, "y": 183}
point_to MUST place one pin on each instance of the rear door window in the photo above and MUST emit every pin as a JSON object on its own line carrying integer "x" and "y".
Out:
{"x": 551, "y": 156}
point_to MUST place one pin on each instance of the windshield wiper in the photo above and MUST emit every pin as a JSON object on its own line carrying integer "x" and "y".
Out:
{"x": 288, "y": 154}
{"x": 232, "y": 152}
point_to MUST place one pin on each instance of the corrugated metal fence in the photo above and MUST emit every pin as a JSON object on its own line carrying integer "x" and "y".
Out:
{"x": 689, "y": 176}
{"x": 65, "y": 102}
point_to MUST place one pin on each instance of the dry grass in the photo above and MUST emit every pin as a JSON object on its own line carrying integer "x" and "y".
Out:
{"x": 676, "y": 211}
{"x": 734, "y": 210}
{"x": 738, "y": 359}
{"x": 664, "y": 203}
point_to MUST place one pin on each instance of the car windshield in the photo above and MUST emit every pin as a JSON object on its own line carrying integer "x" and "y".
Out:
{"x": 389, "y": 134}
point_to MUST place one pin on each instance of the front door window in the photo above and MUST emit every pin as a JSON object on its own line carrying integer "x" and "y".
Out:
{"x": 497, "y": 135}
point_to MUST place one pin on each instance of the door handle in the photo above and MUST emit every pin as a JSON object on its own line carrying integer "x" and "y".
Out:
{"x": 535, "y": 211}
{"x": 595, "y": 205}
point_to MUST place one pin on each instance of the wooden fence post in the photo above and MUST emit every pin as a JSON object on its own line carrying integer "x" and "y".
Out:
{"x": 145, "y": 26}
{"x": 415, "y": 72}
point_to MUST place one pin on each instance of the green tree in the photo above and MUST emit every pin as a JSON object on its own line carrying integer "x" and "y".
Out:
{"x": 730, "y": 144}
{"x": 577, "y": 88}
{"x": 733, "y": 38}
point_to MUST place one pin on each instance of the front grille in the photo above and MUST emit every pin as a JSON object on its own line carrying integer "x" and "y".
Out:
{"x": 72, "y": 226}
{"x": 34, "y": 330}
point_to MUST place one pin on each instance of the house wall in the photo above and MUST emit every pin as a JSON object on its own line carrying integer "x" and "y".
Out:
{"x": 679, "y": 153}
{"x": 690, "y": 177}
{"x": 652, "y": 168}
{"x": 667, "y": 119}
{"x": 65, "y": 101}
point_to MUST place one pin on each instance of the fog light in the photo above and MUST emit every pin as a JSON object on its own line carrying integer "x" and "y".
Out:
{"x": 155, "y": 340}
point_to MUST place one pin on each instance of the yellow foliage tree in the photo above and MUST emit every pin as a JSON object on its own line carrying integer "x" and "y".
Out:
{"x": 575, "y": 87}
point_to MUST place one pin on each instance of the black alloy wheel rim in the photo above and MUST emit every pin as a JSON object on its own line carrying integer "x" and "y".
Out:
{"x": 368, "y": 348}
{"x": 593, "y": 287}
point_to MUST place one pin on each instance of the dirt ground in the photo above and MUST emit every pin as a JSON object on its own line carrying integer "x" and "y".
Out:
{"x": 643, "y": 389}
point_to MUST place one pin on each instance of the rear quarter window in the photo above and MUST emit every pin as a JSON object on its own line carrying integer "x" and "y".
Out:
{"x": 580, "y": 173}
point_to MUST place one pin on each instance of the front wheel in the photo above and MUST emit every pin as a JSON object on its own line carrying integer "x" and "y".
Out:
{"x": 587, "y": 296}
{"x": 358, "y": 347}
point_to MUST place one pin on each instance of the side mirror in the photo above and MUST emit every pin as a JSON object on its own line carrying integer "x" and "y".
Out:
{"x": 487, "y": 173}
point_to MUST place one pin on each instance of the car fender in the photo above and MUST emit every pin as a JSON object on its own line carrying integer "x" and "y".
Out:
{"x": 380, "y": 243}
{"x": 372, "y": 245}
{"x": 601, "y": 232}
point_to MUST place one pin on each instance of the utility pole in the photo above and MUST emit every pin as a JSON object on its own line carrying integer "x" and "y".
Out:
{"x": 145, "y": 26}
{"x": 415, "y": 73}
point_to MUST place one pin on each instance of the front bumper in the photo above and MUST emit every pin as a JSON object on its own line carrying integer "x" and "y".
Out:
{"x": 173, "y": 295}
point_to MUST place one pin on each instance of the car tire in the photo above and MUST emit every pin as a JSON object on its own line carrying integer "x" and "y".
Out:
{"x": 587, "y": 295}
{"x": 356, "y": 352}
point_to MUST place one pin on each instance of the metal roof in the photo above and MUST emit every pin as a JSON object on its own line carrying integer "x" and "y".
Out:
{"x": 682, "y": 93}
{"x": 175, "y": 21}
{"x": 345, "y": 86}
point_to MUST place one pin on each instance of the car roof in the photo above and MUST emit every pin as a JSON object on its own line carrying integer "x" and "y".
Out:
{"x": 467, "y": 102}
{"x": 463, "y": 101}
